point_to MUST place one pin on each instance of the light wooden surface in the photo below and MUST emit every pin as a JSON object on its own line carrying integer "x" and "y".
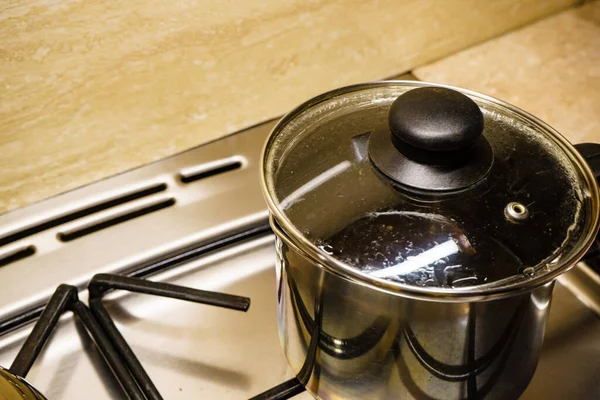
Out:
{"x": 90, "y": 88}
{"x": 550, "y": 68}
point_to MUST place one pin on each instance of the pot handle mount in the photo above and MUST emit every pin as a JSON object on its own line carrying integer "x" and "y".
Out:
{"x": 591, "y": 153}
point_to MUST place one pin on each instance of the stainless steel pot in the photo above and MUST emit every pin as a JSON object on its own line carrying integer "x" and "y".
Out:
{"x": 416, "y": 256}
{"x": 348, "y": 341}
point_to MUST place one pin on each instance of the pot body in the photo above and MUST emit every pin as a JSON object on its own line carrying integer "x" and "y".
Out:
{"x": 346, "y": 340}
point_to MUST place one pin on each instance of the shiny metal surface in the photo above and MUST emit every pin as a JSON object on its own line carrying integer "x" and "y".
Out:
{"x": 516, "y": 212}
{"x": 345, "y": 340}
{"x": 585, "y": 284}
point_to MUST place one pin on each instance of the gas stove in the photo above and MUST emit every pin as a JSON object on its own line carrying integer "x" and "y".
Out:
{"x": 196, "y": 220}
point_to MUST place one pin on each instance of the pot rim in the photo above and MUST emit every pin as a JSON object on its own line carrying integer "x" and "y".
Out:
{"x": 499, "y": 289}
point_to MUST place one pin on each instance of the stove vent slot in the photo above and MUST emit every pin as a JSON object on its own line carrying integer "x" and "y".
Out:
{"x": 113, "y": 217}
{"x": 209, "y": 169}
{"x": 16, "y": 254}
{"x": 93, "y": 207}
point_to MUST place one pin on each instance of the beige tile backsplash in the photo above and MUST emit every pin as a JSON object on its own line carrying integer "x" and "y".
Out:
{"x": 550, "y": 68}
{"x": 90, "y": 88}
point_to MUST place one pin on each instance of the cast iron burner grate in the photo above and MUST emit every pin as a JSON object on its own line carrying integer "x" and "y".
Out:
{"x": 119, "y": 356}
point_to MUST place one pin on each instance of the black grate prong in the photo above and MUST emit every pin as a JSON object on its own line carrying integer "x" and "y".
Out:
{"x": 65, "y": 299}
{"x": 101, "y": 283}
{"x": 42, "y": 329}
{"x": 134, "y": 365}
{"x": 123, "y": 363}
{"x": 108, "y": 351}
{"x": 283, "y": 391}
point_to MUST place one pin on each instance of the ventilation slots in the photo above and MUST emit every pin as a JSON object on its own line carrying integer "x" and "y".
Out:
{"x": 13, "y": 255}
{"x": 196, "y": 173}
{"x": 89, "y": 209}
{"x": 114, "y": 217}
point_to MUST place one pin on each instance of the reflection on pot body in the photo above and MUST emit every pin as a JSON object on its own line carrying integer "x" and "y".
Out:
{"x": 346, "y": 340}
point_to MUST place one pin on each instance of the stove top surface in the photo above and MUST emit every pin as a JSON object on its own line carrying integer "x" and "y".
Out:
{"x": 198, "y": 219}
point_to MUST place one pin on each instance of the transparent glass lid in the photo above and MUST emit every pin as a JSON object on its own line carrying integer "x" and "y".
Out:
{"x": 523, "y": 219}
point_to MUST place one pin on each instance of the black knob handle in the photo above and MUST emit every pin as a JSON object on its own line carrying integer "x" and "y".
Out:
{"x": 436, "y": 120}
{"x": 433, "y": 142}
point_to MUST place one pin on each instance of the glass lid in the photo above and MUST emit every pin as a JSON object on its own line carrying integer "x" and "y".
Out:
{"x": 415, "y": 185}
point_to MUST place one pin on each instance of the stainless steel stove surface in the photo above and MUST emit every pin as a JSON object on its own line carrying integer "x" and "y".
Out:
{"x": 198, "y": 219}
